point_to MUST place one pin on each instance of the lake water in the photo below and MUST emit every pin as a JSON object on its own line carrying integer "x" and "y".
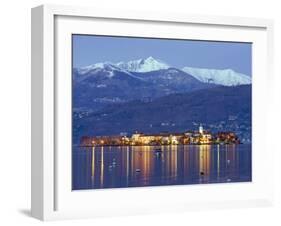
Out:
{"x": 135, "y": 166}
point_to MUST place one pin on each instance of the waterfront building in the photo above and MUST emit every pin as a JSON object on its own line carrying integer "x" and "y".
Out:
{"x": 227, "y": 137}
{"x": 174, "y": 140}
{"x": 189, "y": 137}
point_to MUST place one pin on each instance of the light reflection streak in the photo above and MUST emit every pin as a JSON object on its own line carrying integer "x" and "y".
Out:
{"x": 218, "y": 161}
{"x": 204, "y": 162}
{"x": 171, "y": 164}
{"x": 102, "y": 167}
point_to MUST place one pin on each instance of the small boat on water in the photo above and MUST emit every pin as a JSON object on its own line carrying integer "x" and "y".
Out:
{"x": 158, "y": 150}
{"x": 138, "y": 170}
{"x": 158, "y": 153}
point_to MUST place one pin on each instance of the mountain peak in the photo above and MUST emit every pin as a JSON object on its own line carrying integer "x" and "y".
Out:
{"x": 225, "y": 77}
{"x": 150, "y": 58}
{"x": 143, "y": 65}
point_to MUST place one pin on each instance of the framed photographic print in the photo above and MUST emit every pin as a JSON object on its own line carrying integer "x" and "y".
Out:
{"x": 145, "y": 122}
{"x": 137, "y": 112}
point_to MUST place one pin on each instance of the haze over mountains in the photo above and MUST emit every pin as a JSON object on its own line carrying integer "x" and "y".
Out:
{"x": 145, "y": 94}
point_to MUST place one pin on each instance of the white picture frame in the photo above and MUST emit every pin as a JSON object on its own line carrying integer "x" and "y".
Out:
{"x": 52, "y": 197}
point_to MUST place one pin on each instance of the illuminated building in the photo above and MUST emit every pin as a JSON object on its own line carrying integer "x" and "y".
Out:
{"x": 189, "y": 137}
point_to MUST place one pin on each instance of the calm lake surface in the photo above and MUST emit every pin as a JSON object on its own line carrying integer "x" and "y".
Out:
{"x": 135, "y": 166}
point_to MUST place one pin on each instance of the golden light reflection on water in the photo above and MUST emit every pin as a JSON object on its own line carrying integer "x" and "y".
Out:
{"x": 148, "y": 165}
{"x": 102, "y": 167}
{"x": 93, "y": 162}
{"x": 204, "y": 161}
{"x": 218, "y": 160}
{"x": 127, "y": 164}
{"x": 186, "y": 160}
{"x": 174, "y": 161}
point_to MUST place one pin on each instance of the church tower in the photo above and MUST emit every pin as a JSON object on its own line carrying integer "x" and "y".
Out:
{"x": 201, "y": 129}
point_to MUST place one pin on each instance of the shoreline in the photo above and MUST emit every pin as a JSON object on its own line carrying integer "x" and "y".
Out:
{"x": 160, "y": 145}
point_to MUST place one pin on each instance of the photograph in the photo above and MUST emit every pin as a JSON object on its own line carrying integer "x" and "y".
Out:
{"x": 152, "y": 111}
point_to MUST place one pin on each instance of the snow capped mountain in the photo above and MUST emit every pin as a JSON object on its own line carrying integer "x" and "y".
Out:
{"x": 106, "y": 66}
{"x": 226, "y": 77}
{"x": 143, "y": 65}
{"x": 107, "y": 69}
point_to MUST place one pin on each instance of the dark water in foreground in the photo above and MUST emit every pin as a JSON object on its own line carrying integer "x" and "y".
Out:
{"x": 113, "y": 167}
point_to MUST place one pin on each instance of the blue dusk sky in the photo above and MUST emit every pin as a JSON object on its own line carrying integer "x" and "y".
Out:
{"x": 90, "y": 49}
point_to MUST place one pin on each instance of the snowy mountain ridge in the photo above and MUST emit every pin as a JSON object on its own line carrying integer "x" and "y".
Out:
{"x": 225, "y": 77}
{"x": 106, "y": 66}
{"x": 143, "y": 65}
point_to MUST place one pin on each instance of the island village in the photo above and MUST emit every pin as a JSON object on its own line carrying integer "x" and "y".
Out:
{"x": 197, "y": 137}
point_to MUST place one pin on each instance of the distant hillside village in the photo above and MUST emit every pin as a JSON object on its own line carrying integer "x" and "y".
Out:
{"x": 186, "y": 138}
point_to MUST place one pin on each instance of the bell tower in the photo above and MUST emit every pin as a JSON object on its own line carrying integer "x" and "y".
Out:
{"x": 201, "y": 129}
